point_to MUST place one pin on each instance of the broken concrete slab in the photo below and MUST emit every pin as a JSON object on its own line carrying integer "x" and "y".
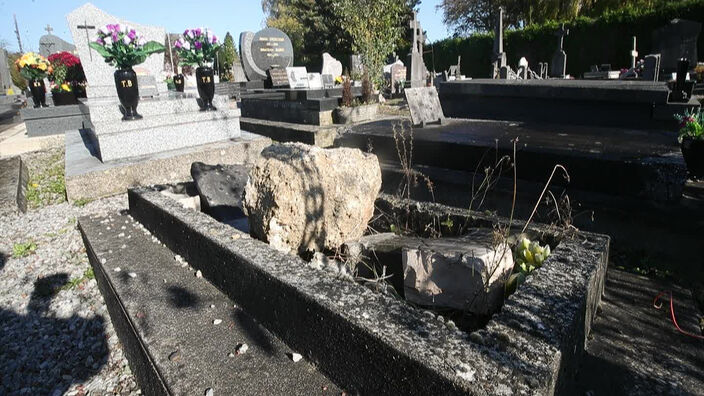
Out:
{"x": 182, "y": 335}
{"x": 13, "y": 185}
{"x": 466, "y": 273}
{"x": 376, "y": 343}
{"x": 220, "y": 188}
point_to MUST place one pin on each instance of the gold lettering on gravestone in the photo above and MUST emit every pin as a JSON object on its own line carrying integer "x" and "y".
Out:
{"x": 126, "y": 83}
{"x": 37, "y": 84}
{"x": 205, "y": 79}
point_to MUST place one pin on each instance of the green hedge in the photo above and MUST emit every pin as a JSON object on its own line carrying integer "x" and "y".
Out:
{"x": 591, "y": 41}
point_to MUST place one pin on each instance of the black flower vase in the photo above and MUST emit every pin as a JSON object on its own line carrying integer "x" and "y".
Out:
{"x": 38, "y": 93}
{"x": 179, "y": 82}
{"x": 693, "y": 153}
{"x": 128, "y": 93}
{"x": 206, "y": 87}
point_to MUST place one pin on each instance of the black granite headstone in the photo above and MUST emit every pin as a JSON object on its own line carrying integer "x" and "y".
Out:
{"x": 278, "y": 77}
{"x": 266, "y": 49}
{"x": 674, "y": 41}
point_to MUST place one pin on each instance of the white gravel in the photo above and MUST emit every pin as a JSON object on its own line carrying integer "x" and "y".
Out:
{"x": 56, "y": 341}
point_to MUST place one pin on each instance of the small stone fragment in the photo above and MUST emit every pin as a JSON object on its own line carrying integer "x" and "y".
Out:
{"x": 117, "y": 269}
{"x": 175, "y": 356}
{"x": 217, "y": 321}
{"x": 209, "y": 392}
{"x": 132, "y": 275}
{"x": 199, "y": 274}
{"x": 212, "y": 305}
{"x": 235, "y": 236}
{"x": 230, "y": 354}
{"x": 242, "y": 348}
{"x": 103, "y": 261}
{"x": 296, "y": 357}
{"x": 465, "y": 372}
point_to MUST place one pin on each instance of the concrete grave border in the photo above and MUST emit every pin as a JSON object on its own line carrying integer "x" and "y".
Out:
{"x": 370, "y": 342}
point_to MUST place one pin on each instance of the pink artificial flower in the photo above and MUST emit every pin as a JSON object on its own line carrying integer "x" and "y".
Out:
{"x": 132, "y": 34}
{"x": 214, "y": 39}
{"x": 114, "y": 36}
{"x": 100, "y": 41}
{"x": 197, "y": 31}
{"x": 198, "y": 45}
{"x": 178, "y": 44}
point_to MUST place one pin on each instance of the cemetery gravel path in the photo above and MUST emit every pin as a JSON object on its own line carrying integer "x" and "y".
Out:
{"x": 56, "y": 336}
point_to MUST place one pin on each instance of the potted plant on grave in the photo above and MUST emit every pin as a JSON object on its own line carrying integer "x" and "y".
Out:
{"x": 34, "y": 68}
{"x": 67, "y": 69}
{"x": 354, "y": 110}
{"x": 123, "y": 47}
{"x": 691, "y": 138}
{"x": 62, "y": 89}
{"x": 199, "y": 47}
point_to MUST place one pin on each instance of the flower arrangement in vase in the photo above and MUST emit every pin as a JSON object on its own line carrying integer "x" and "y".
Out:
{"x": 691, "y": 138}
{"x": 199, "y": 47}
{"x": 67, "y": 69}
{"x": 34, "y": 68}
{"x": 123, "y": 47}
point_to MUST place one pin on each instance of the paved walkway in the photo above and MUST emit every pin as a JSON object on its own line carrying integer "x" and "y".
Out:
{"x": 14, "y": 140}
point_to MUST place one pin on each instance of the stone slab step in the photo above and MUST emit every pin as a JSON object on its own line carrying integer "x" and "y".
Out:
{"x": 164, "y": 316}
{"x": 119, "y": 126}
{"x": 105, "y": 110}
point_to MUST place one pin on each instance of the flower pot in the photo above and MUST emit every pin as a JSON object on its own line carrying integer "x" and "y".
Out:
{"x": 38, "y": 93}
{"x": 179, "y": 82}
{"x": 206, "y": 87}
{"x": 693, "y": 153}
{"x": 355, "y": 114}
{"x": 64, "y": 98}
{"x": 128, "y": 93}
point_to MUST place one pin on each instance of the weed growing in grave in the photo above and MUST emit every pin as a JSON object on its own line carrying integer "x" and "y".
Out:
{"x": 88, "y": 274}
{"x": 25, "y": 249}
{"x": 81, "y": 202}
{"x": 46, "y": 184}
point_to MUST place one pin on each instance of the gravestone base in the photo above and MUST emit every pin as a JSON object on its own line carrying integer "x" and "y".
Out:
{"x": 53, "y": 120}
{"x": 170, "y": 123}
{"x": 89, "y": 178}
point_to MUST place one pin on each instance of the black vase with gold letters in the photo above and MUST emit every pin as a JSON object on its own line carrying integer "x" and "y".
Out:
{"x": 38, "y": 90}
{"x": 128, "y": 93}
{"x": 206, "y": 87}
{"x": 179, "y": 82}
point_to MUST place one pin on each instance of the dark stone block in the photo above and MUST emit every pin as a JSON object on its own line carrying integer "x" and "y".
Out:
{"x": 13, "y": 185}
{"x": 220, "y": 188}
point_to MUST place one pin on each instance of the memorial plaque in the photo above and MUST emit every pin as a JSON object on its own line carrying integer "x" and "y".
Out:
{"x": 278, "y": 77}
{"x": 315, "y": 81}
{"x": 424, "y": 105}
{"x": 328, "y": 81}
{"x": 266, "y": 49}
{"x": 297, "y": 77}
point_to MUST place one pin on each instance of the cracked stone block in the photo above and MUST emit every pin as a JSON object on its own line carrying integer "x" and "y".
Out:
{"x": 466, "y": 273}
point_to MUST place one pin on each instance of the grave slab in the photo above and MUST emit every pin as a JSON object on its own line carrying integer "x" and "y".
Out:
{"x": 54, "y": 120}
{"x": 89, "y": 178}
{"x": 165, "y": 317}
{"x": 375, "y": 343}
{"x": 322, "y": 136}
{"x": 13, "y": 185}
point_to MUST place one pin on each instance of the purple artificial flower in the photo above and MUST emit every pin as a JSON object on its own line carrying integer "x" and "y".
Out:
{"x": 132, "y": 34}
{"x": 178, "y": 44}
{"x": 100, "y": 41}
{"x": 198, "y": 45}
{"x": 214, "y": 39}
{"x": 197, "y": 31}
{"x": 114, "y": 36}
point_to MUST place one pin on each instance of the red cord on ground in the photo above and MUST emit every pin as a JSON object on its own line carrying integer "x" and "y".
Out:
{"x": 672, "y": 314}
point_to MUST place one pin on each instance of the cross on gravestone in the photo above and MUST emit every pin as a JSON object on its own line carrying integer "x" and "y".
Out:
{"x": 418, "y": 36}
{"x": 634, "y": 53}
{"x": 561, "y": 36}
{"x": 87, "y": 27}
{"x": 499, "y": 54}
{"x": 559, "y": 59}
{"x": 49, "y": 29}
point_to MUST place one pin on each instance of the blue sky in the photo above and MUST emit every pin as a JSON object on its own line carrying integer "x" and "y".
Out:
{"x": 222, "y": 16}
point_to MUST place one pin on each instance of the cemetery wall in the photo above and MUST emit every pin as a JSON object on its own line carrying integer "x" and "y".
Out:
{"x": 606, "y": 39}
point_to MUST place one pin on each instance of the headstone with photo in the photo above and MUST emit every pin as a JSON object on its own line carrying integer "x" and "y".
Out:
{"x": 331, "y": 65}
{"x": 278, "y": 77}
{"x": 424, "y": 105}
{"x": 297, "y": 77}
{"x": 84, "y": 23}
{"x": 263, "y": 50}
{"x": 315, "y": 81}
{"x": 559, "y": 59}
{"x": 674, "y": 41}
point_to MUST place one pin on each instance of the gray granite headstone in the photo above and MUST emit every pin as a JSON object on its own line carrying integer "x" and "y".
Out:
{"x": 559, "y": 59}
{"x": 676, "y": 40}
{"x": 651, "y": 67}
{"x": 263, "y": 50}
{"x": 328, "y": 81}
{"x": 331, "y": 65}
{"x": 424, "y": 104}
{"x": 238, "y": 73}
{"x": 5, "y": 77}
{"x": 50, "y": 44}
{"x": 84, "y": 23}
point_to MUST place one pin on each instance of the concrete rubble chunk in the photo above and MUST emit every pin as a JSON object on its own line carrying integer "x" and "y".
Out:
{"x": 305, "y": 198}
{"x": 465, "y": 273}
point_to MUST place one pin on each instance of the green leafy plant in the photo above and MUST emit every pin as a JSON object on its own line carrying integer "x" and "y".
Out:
{"x": 691, "y": 125}
{"x": 530, "y": 255}
{"x": 123, "y": 47}
{"x": 197, "y": 47}
{"x": 24, "y": 249}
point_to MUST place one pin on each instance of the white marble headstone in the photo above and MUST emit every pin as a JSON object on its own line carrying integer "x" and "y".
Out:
{"x": 331, "y": 65}
{"x": 99, "y": 74}
{"x": 297, "y": 77}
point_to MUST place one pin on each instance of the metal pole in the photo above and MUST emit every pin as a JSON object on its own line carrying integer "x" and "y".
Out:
{"x": 171, "y": 54}
{"x": 17, "y": 32}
